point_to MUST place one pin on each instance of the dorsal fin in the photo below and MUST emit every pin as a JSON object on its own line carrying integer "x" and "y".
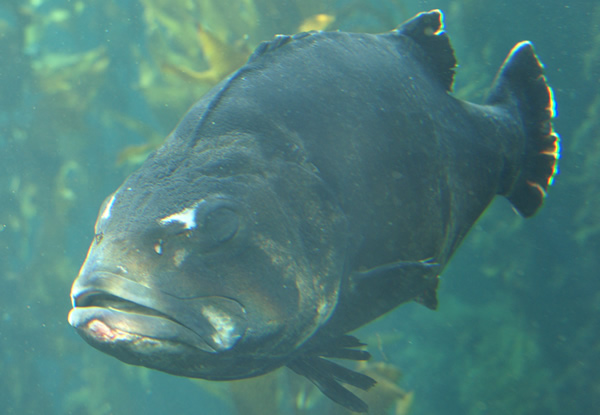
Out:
{"x": 277, "y": 42}
{"x": 427, "y": 30}
{"x": 263, "y": 47}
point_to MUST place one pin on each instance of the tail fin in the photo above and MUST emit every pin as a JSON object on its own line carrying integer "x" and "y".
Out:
{"x": 521, "y": 80}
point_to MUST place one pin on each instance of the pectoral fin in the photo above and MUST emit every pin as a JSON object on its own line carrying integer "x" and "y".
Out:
{"x": 412, "y": 280}
{"x": 393, "y": 269}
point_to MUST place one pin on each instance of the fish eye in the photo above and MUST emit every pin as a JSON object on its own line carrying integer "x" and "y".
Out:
{"x": 221, "y": 224}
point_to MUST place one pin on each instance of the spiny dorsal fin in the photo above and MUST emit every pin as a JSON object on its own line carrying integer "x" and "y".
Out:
{"x": 277, "y": 42}
{"x": 427, "y": 30}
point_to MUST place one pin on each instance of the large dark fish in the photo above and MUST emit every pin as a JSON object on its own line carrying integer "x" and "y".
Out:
{"x": 321, "y": 185}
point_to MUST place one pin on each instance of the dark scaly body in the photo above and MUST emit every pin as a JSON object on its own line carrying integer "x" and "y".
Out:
{"x": 327, "y": 181}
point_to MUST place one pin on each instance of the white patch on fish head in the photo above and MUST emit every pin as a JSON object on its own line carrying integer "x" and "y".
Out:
{"x": 187, "y": 216}
{"x": 106, "y": 212}
{"x": 223, "y": 325}
{"x": 179, "y": 256}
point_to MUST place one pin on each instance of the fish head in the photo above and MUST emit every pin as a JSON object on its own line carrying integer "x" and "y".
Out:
{"x": 217, "y": 278}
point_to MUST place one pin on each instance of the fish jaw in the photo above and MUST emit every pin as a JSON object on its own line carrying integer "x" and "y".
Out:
{"x": 143, "y": 326}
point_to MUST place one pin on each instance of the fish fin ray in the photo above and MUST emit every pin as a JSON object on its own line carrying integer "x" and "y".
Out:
{"x": 427, "y": 30}
{"x": 341, "y": 347}
{"x": 326, "y": 376}
{"x": 521, "y": 82}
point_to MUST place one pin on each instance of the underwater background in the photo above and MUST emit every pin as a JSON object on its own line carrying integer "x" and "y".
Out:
{"x": 89, "y": 88}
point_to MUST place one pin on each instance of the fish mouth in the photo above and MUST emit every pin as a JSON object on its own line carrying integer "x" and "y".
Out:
{"x": 110, "y": 310}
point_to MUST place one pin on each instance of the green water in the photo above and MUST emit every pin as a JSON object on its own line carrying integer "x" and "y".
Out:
{"x": 88, "y": 88}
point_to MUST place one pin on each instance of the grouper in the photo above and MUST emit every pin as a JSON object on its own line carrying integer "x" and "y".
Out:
{"x": 324, "y": 183}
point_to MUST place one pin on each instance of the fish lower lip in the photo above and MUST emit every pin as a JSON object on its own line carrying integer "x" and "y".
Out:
{"x": 108, "y": 318}
{"x": 108, "y": 325}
